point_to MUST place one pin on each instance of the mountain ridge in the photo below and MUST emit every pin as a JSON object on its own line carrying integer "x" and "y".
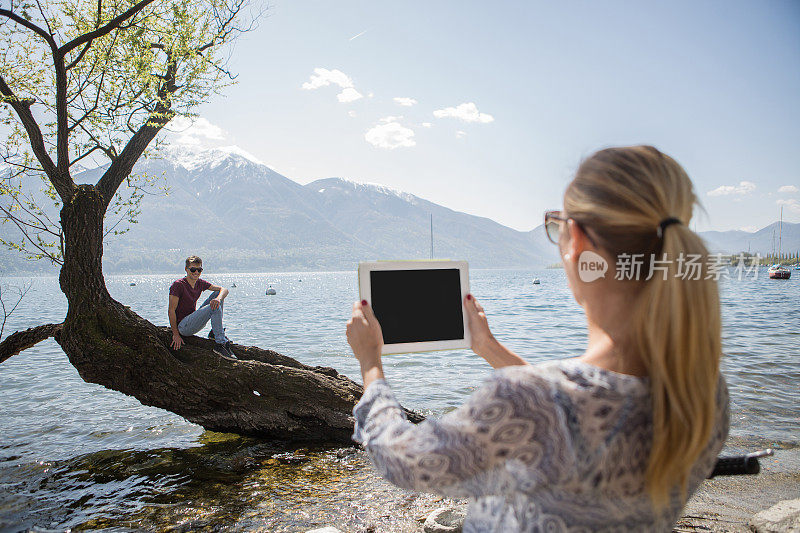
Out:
{"x": 241, "y": 215}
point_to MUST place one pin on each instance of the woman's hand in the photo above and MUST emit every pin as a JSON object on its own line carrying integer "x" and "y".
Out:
{"x": 483, "y": 342}
{"x": 366, "y": 340}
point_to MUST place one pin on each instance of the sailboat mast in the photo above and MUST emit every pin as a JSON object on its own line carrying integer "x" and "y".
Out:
{"x": 773, "y": 244}
{"x": 780, "y": 234}
{"x": 431, "y": 235}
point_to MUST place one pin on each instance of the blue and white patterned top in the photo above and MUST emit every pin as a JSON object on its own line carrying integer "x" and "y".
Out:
{"x": 561, "y": 446}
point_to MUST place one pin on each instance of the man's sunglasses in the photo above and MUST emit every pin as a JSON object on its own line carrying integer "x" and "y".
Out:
{"x": 195, "y": 269}
{"x": 553, "y": 221}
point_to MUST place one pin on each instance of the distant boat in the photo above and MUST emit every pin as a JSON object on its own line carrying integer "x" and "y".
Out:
{"x": 233, "y": 285}
{"x": 132, "y": 284}
{"x": 271, "y": 291}
{"x": 777, "y": 271}
{"x": 536, "y": 281}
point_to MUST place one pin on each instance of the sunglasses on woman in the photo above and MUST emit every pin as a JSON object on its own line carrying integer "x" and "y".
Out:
{"x": 554, "y": 220}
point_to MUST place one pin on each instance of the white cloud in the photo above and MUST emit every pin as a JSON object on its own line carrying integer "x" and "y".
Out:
{"x": 461, "y": 134}
{"x": 467, "y": 112}
{"x": 749, "y": 229}
{"x": 405, "y": 101}
{"x": 352, "y": 113}
{"x": 195, "y": 131}
{"x": 349, "y": 95}
{"x": 390, "y": 135}
{"x": 323, "y": 77}
{"x": 793, "y": 204}
{"x": 744, "y": 187}
{"x": 426, "y": 125}
{"x": 788, "y": 189}
{"x": 391, "y": 118}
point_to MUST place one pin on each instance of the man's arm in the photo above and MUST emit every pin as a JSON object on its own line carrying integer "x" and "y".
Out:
{"x": 223, "y": 292}
{"x": 177, "y": 340}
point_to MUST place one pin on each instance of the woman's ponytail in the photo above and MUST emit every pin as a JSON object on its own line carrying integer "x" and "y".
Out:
{"x": 677, "y": 332}
{"x": 639, "y": 201}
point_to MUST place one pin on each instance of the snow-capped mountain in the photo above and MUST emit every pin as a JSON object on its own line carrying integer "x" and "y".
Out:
{"x": 190, "y": 157}
{"x": 240, "y": 215}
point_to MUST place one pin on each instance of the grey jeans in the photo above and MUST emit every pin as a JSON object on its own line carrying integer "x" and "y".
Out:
{"x": 193, "y": 323}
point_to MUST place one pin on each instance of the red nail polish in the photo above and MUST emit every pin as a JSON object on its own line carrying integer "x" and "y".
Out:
{"x": 363, "y": 302}
{"x": 469, "y": 297}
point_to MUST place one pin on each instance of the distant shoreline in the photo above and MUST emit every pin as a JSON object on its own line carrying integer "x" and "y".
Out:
{"x": 177, "y": 272}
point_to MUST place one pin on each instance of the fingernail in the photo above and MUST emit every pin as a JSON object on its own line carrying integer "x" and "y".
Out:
{"x": 363, "y": 302}
{"x": 469, "y": 297}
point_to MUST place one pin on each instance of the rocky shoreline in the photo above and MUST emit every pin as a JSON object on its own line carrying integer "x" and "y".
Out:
{"x": 728, "y": 504}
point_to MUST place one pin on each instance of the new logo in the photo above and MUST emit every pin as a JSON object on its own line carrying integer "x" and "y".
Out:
{"x": 591, "y": 266}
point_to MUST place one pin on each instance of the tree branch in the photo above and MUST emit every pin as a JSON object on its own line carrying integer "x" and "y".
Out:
{"x": 20, "y": 223}
{"x": 122, "y": 166}
{"x": 6, "y": 313}
{"x": 106, "y": 28}
{"x": 23, "y": 110}
{"x": 44, "y": 17}
{"x": 42, "y": 226}
{"x": 94, "y": 106}
{"x": 80, "y": 56}
{"x": 109, "y": 151}
{"x": 22, "y": 340}
{"x": 86, "y": 154}
{"x": 31, "y": 26}
{"x": 89, "y": 42}
{"x": 61, "y": 181}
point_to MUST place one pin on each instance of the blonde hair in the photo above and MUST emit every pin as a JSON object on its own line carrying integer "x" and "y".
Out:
{"x": 623, "y": 194}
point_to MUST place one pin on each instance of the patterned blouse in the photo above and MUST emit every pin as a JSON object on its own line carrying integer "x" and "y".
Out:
{"x": 561, "y": 446}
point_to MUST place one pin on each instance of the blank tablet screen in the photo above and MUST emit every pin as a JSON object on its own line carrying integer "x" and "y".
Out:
{"x": 418, "y": 305}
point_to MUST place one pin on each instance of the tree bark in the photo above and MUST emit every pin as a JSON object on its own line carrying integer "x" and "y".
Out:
{"x": 263, "y": 394}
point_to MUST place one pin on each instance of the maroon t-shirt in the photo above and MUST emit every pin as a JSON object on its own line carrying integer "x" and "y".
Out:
{"x": 187, "y": 296}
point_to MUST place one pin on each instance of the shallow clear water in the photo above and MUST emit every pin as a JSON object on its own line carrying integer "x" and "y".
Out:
{"x": 76, "y": 455}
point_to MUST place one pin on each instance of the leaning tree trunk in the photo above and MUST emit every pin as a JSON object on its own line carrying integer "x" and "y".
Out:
{"x": 263, "y": 394}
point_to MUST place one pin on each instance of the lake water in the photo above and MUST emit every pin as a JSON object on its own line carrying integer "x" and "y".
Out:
{"x": 76, "y": 455}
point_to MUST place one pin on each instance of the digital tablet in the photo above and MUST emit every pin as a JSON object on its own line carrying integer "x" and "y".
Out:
{"x": 419, "y": 304}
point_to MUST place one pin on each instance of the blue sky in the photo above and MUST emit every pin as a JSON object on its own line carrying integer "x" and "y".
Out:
{"x": 714, "y": 84}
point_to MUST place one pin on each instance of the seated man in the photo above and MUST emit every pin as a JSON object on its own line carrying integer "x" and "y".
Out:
{"x": 185, "y": 320}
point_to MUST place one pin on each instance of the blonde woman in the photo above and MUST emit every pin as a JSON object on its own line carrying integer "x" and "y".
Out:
{"x": 614, "y": 440}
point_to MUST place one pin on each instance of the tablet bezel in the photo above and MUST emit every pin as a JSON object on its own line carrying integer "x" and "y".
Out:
{"x": 365, "y": 293}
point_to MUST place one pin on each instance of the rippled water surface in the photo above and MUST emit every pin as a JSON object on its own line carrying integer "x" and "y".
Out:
{"x": 76, "y": 455}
